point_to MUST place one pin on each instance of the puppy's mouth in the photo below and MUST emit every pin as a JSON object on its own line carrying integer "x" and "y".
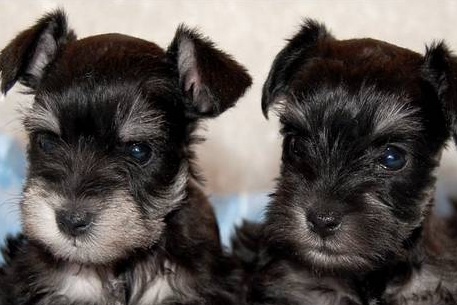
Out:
{"x": 328, "y": 248}
{"x": 77, "y": 242}
{"x": 328, "y": 259}
{"x": 332, "y": 253}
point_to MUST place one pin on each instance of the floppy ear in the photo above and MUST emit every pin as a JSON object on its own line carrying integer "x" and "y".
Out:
{"x": 26, "y": 58}
{"x": 212, "y": 81}
{"x": 440, "y": 70}
{"x": 298, "y": 50}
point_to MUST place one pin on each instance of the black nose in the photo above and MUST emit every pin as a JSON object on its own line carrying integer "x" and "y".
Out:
{"x": 74, "y": 223}
{"x": 324, "y": 224}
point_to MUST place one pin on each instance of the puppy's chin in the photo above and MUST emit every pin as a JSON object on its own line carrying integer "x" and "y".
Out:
{"x": 328, "y": 255}
{"x": 82, "y": 251}
{"x": 116, "y": 233}
{"x": 323, "y": 260}
{"x": 323, "y": 256}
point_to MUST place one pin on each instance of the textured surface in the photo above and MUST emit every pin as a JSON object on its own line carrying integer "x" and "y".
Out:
{"x": 242, "y": 150}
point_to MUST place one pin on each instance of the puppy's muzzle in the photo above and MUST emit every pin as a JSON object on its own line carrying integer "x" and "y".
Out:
{"x": 74, "y": 223}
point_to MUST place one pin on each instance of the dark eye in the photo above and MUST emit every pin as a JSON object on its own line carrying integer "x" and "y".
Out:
{"x": 295, "y": 147}
{"x": 392, "y": 158}
{"x": 141, "y": 152}
{"x": 47, "y": 143}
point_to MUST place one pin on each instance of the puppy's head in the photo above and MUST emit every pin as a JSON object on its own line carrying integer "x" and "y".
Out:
{"x": 363, "y": 124}
{"x": 110, "y": 130}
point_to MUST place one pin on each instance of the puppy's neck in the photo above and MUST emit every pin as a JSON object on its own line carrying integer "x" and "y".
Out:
{"x": 428, "y": 245}
{"x": 397, "y": 269}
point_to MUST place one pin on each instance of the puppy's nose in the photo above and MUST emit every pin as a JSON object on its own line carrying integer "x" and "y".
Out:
{"x": 324, "y": 224}
{"x": 74, "y": 223}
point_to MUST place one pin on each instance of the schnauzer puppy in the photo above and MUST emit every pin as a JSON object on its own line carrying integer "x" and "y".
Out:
{"x": 112, "y": 210}
{"x": 364, "y": 123}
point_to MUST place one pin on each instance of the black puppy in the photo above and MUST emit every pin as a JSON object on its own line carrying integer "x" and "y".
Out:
{"x": 364, "y": 123}
{"x": 112, "y": 210}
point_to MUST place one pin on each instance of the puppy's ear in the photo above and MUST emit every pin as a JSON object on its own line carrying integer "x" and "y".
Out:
{"x": 211, "y": 80}
{"x": 440, "y": 70}
{"x": 299, "y": 49}
{"x": 26, "y": 58}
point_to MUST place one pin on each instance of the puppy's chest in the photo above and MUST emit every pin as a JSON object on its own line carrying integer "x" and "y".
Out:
{"x": 77, "y": 284}
{"x": 155, "y": 291}
{"x": 331, "y": 292}
{"x": 306, "y": 288}
{"x": 152, "y": 285}
{"x": 143, "y": 285}
{"x": 425, "y": 287}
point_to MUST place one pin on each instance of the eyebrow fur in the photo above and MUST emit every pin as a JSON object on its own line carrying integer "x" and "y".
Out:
{"x": 140, "y": 122}
{"x": 41, "y": 118}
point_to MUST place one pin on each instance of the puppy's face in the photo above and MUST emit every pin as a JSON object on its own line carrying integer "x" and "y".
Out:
{"x": 363, "y": 131}
{"x": 110, "y": 130}
{"x": 106, "y": 167}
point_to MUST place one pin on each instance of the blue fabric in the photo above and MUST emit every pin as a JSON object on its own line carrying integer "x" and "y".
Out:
{"x": 12, "y": 173}
{"x": 232, "y": 210}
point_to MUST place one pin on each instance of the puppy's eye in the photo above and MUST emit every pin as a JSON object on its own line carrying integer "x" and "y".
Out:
{"x": 47, "y": 143}
{"x": 141, "y": 152}
{"x": 294, "y": 149}
{"x": 392, "y": 158}
{"x": 293, "y": 146}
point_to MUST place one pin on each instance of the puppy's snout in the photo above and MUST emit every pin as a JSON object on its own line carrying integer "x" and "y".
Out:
{"x": 74, "y": 223}
{"x": 324, "y": 224}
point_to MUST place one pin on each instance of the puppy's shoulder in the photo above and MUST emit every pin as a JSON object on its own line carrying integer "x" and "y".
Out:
{"x": 194, "y": 224}
{"x": 431, "y": 284}
{"x": 18, "y": 271}
{"x": 248, "y": 246}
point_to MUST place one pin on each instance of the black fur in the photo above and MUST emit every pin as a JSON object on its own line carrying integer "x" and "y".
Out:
{"x": 149, "y": 234}
{"x": 341, "y": 227}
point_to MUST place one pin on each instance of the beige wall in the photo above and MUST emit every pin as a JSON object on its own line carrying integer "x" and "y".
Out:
{"x": 242, "y": 150}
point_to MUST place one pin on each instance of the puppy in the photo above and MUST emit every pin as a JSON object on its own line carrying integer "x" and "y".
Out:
{"x": 112, "y": 210}
{"x": 364, "y": 123}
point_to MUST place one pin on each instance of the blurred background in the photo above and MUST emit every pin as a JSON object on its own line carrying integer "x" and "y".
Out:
{"x": 240, "y": 157}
